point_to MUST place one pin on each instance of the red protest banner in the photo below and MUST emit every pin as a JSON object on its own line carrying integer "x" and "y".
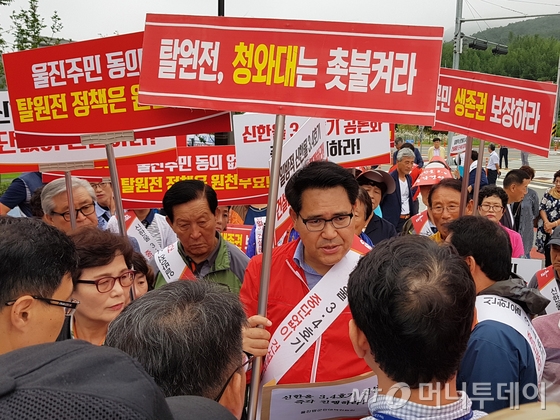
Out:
{"x": 310, "y": 68}
{"x": 238, "y": 235}
{"x": 144, "y": 183}
{"x": 513, "y": 112}
{"x": 59, "y": 93}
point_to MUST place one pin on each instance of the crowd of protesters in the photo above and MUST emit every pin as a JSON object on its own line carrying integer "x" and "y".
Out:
{"x": 429, "y": 298}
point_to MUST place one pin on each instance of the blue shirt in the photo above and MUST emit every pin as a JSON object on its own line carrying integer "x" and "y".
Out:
{"x": 497, "y": 356}
{"x": 311, "y": 276}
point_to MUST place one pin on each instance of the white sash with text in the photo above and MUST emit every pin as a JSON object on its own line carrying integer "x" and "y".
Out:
{"x": 500, "y": 309}
{"x": 171, "y": 265}
{"x": 309, "y": 319}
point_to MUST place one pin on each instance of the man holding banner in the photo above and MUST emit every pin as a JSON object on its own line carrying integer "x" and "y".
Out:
{"x": 307, "y": 309}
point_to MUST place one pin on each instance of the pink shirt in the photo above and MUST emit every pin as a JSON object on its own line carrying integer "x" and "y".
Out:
{"x": 517, "y": 249}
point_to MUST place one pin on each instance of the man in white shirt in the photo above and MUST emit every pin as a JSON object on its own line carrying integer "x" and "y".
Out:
{"x": 436, "y": 150}
{"x": 493, "y": 167}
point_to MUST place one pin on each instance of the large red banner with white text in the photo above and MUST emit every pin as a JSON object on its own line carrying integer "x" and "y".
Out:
{"x": 59, "y": 93}
{"x": 145, "y": 179}
{"x": 310, "y": 68}
{"x": 513, "y": 112}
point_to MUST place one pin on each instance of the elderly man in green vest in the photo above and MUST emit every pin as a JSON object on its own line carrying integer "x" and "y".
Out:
{"x": 201, "y": 252}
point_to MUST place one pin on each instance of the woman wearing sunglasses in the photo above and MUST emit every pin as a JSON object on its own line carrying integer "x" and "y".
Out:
{"x": 101, "y": 283}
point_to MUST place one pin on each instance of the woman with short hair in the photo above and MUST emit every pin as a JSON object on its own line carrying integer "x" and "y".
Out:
{"x": 101, "y": 283}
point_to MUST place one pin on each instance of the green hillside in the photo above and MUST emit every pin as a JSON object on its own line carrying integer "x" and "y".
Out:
{"x": 545, "y": 27}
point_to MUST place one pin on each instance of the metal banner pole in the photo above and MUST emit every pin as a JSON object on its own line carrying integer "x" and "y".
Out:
{"x": 116, "y": 187}
{"x": 70, "y": 195}
{"x": 465, "y": 184}
{"x": 108, "y": 139}
{"x": 476, "y": 186}
{"x": 267, "y": 254}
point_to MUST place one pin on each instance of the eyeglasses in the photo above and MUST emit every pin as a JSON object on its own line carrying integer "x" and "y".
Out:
{"x": 106, "y": 284}
{"x": 440, "y": 209}
{"x": 69, "y": 306}
{"x": 316, "y": 224}
{"x": 85, "y": 210}
{"x": 488, "y": 207}
{"x": 99, "y": 185}
{"x": 246, "y": 365}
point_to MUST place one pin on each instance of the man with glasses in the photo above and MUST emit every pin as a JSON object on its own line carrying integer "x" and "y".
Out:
{"x": 444, "y": 201}
{"x": 322, "y": 198}
{"x": 492, "y": 202}
{"x": 54, "y": 201}
{"x": 105, "y": 206}
{"x": 36, "y": 262}
{"x": 187, "y": 335}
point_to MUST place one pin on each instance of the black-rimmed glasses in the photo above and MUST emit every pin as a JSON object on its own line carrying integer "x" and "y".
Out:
{"x": 85, "y": 210}
{"x": 492, "y": 208}
{"x": 69, "y": 306}
{"x": 317, "y": 224}
{"x": 99, "y": 184}
{"x": 106, "y": 284}
{"x": 246, "y": 365}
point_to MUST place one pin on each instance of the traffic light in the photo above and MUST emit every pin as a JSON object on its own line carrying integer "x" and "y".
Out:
{"x": 500, "y": 50}
{"x": 478, "y": 44}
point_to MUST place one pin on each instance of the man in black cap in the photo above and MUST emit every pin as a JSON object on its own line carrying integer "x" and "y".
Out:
{"x": 377, "y": 183}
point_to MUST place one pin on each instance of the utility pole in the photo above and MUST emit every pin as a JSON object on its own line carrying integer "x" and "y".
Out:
{"x": 457, "y": 50}
{"x": 222, "y": 139}
{"x": 458, "y": 47}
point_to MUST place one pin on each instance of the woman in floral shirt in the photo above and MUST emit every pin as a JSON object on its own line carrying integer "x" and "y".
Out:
{"x": 550, "y": 218}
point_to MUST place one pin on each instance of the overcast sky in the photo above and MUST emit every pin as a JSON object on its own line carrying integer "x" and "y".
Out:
{"x": 91, "y": 19}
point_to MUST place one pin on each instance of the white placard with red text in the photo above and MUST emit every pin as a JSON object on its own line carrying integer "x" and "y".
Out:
{"x": 348, "y": 142}
{"x": 307, "y": 145}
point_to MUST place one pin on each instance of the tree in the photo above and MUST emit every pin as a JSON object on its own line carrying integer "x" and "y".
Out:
{"x": 26, "y": 32}
{"x": 530, "y": 57}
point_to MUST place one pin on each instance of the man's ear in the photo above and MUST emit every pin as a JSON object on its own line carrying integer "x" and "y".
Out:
{"x": 293, "y": 216}
{"x": 470, "y": 207}
{"x": 471, "y": 263}
{"x": 233, "y": 397}
{"x": 358, "y": 339}
{"x": 21, "y": 312}
{"x": 48, "y": 219}
{"x": 169, "y": 222}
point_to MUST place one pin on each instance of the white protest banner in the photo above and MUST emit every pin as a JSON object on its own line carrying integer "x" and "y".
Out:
{"x": 349, "y": 143}
{"x": 6, "y": 123}
{"x": 458, "y": 144}
{"x": 548, "y": 286}
{"x": 526, "y": 268}
{"x": 135, "y": 229}
{"x": 338, "y": 399}
{"x": 307, "y": 145}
